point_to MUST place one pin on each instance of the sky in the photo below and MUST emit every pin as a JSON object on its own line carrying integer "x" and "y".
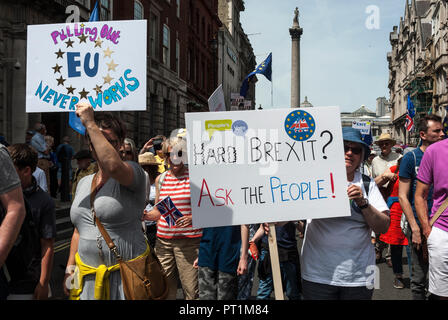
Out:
{"x": 343, "y": 48}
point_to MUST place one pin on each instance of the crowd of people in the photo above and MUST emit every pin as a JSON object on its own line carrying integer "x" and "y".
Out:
{"x": 393, "y": 197}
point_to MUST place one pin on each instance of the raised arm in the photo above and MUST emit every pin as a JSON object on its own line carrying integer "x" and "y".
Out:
{"x": 106, "y": 150}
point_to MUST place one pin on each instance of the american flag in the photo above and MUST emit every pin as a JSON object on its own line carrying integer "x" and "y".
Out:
{"x": 409, "y": 123}
{"x": 169, "y": 211}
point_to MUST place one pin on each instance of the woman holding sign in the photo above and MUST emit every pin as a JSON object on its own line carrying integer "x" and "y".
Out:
{"x": 177, "y": 244}
{"x": 119, "y": 203}
{"x": 338, "y": 259}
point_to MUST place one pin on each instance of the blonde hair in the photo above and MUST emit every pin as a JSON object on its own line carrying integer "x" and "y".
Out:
{"x": 175, "y": 143}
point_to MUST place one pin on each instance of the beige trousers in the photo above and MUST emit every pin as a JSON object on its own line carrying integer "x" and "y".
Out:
{"x": 177, "y": 257}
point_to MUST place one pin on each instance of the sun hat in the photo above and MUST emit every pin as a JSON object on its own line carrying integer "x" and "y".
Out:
{"x": 354, "y": 135}
{"x": 147, "y": 159}
{"x": 386, "y": 137}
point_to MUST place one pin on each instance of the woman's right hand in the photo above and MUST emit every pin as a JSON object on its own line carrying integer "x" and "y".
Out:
{"x": 149, "y": 144}
{"x": 85, "y": 112}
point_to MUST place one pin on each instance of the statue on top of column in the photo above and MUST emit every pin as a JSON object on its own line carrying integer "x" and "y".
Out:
{"x": 296, "y": 17}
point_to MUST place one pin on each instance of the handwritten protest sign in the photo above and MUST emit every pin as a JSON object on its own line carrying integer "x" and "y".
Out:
{"x": 363, "y": 126}
{"x": 103, "y": 62}
{"x": 266, "y": 166}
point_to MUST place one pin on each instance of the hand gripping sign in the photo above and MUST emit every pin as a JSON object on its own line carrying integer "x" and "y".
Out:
{"x": 103, "y": 62}
{"x": 266, "y": 166}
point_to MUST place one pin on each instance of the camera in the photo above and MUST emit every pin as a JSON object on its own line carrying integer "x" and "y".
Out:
{"x": 157, "y": 144}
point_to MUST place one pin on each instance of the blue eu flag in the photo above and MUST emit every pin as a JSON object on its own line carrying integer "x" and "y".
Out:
{"x": 264, "y": 68}
{"x": 73, "y": 120}
{"x": 411, "y": 109}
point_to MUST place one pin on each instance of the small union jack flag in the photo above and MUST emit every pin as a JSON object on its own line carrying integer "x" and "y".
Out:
{"x": 409, "y": 123}
{"x": 169, "y": 211}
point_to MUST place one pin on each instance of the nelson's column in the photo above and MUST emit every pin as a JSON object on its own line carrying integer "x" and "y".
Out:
{"x": 295, "y": 33}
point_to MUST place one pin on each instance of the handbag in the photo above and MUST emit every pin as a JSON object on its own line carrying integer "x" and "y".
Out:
{"x": 143, "y": 278}
{"x": 441, "y": 209}
{"x": 404, "y": 224}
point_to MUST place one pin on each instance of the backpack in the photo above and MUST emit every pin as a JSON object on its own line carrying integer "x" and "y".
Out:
{"x": 23, "y": 263}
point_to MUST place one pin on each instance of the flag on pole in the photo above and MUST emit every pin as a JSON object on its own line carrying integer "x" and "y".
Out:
{"x": 410, "y": 115}
{"x": 169, "y": 211}
{"x": 216, "y": 102}
{"x": 411, "y": 109}
{"x": 264, "y": 68}
{"x": 409, "y": 123}
{"x": 73, "y": 120}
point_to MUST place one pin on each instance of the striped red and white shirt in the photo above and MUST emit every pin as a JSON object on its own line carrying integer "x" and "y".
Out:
{"x": 178, "y": 188}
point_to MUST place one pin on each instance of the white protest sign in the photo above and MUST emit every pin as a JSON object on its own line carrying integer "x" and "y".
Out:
{"x": 216, "y": 102}
{"x": 103, "y": 62}
{"x": 363, "y": 126}
{"x": 266, "y": 166}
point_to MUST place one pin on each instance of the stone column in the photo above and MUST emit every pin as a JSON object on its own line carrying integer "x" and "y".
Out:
{"x": 295, "y": 33}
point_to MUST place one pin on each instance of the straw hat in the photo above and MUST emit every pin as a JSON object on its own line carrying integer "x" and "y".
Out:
{"x": 147, "y": 158}
{"x": 386, "y": 137}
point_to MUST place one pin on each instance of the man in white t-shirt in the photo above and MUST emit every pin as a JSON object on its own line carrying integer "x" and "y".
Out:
{"x": 338, "y": 258}
{"x": 41, "y": 179}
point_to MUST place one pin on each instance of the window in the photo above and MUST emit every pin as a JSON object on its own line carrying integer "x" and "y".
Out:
{"x": 178, "y": 8}
{"x": 138, "y": 10}
{"x": 85, "y": 3}
{"x": 154, "y": 36}
{"x": 105, "y": 11}
{"x": 177, "y": 56}
{"x": 189, "y": 64}
{"x": 166, "y": 46}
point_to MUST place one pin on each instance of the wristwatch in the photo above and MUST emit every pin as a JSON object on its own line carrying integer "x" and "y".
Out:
{"x": 365, "y": 204}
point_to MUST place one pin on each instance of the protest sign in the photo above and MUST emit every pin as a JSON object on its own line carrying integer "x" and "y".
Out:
{"x": 103, "y": 62}
{"x": 266, "y": 166}
{"x": 363, "y": 126}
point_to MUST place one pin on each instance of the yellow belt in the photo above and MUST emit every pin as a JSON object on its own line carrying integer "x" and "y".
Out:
{"x": 102, "y": 284}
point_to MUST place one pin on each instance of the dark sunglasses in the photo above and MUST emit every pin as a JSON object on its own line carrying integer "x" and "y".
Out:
{"x": 355, "y": 150}
{"x": 179, "y": 154}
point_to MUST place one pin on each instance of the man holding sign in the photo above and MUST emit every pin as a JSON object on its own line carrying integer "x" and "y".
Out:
{"x": 338, "y": 259}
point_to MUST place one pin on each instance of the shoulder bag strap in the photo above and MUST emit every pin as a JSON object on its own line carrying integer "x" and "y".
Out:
{"x": 442, "y": 208}
{"x": 104, "y": 233}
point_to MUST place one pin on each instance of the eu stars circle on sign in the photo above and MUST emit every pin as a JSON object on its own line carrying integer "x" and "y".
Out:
{"x": 300, "y": 125}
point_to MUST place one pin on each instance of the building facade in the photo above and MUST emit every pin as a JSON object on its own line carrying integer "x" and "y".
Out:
{"x": 236, "y": 58}
{"x": 378, "y": 124}
{"x": 418, "y": 63}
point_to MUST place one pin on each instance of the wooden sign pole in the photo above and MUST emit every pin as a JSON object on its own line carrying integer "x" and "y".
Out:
{"x": 275, "y": 264}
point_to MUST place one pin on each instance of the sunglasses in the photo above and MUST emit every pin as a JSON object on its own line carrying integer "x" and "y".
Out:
{"x": 179, "y": 154}
{"x": 355, "y": 150}
{"x": 383, "y": 144}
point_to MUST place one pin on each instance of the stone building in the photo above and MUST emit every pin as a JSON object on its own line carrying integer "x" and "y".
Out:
{"x": 378, "y": 124}
{"x": 236, "y": 58}
{"x": 182, "y": 61}
{"x": 418, "y": 63}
